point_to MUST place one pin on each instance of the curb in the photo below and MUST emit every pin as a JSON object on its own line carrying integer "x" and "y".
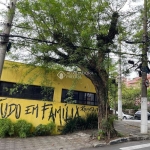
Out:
{"x": 124, "y": 139}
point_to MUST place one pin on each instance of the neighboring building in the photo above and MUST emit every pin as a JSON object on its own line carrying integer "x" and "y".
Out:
{"x": 39, "y": 105}
{"x": 135, "y": 82}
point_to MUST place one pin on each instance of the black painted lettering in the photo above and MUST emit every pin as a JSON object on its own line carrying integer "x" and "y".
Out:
{"x": 51, "y": 115}
{"x": 59, "y": 112}
{"x": 66, "y": 117}
{"x": 77, "y": 112}
{"x": 63, "y": 113}
{"x": 10, "y": 109}
{"x": 31, "y": 109}
{"x": 18, "y": 111}
{"x": 4, "y": 112}
{"x": 72, "y": 112}
{"x": 44, "y": 108}
{"x": 82, "y": 108}
{"x": 28, "y": 109}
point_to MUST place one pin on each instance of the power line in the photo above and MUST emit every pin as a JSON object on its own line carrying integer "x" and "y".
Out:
{"x": 50, "y": 42}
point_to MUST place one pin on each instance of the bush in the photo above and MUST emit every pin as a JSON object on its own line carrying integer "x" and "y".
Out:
{"x": 23, "y": 128}
{"x": 40, "y": 130}
{"x": 51, "y": 127}
{"x": 92, "y": 120}
{"x": 69, "y": 126}
{"x": 80, "y": 123}
{"x": 43, "y": 130}
{"x": 6, "y": 128}
{"x": 108, "y": 127}
{"x": 74, "y": 124}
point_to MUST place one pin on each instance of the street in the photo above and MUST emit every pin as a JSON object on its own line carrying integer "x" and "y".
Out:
{"x": 136, "y": 145}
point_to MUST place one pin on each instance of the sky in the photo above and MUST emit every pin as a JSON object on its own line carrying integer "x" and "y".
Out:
{"x": 3, "y": 3}
{"x": 129, "y": 4}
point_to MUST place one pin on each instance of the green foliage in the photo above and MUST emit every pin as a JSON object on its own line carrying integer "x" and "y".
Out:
{"x": 90, "y": 121}
{"x": 129, "y": 96}
{"x": 6, "y": 128}
{"x": 69, "y": 99}
{"x": 23, "y": 128}
{"x": 79, "y": 33}
{"x": 100, "y": 134}
{"x": 51, "y": 127}
{"x": 131, "y": 106}
{"x": 16, "y": 89}
{"x": 113, "y": 88}
{"x": 67, "y": 20}
{"x": 70, "y": 92}
{"x": 47, "y": 93}
{"x": 43, "y": 130}
{"x": 74, "y": 124}
{"x": 108, "y": 127}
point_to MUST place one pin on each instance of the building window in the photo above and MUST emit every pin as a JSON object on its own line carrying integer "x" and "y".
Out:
{"x": 9, "y": 89}
{"x": 79, "y": 97}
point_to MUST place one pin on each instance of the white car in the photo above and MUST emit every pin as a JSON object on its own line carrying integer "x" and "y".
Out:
{"x": 125, "y": 116}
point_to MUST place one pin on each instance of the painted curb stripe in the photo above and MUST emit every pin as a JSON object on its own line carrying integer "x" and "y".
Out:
{"x": 135, "y": 147}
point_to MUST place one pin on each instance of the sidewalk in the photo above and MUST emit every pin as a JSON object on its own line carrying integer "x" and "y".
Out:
{"x": 74, "y": 141}
{"x": 129, "y": 127}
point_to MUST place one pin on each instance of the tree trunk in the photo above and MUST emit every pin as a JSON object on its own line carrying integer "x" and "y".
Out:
{"x": 102, "y": 100}
{"x": 105, "y": 121}
{"x": 101, "y": 87}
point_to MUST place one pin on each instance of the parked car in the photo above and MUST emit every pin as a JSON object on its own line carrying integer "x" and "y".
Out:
{"x": 125, "y": 116}
{"x": 137, "y": 115}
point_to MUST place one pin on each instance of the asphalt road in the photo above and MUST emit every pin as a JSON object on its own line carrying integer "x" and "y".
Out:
{"x": 137, "y": 145}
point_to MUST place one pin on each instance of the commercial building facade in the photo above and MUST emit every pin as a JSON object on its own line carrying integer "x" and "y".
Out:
{"x": 40, "y": 95}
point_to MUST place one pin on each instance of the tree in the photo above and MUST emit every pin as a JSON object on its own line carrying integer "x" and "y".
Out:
{"x": 129, "y": 97}
{"x": 72, "y": 33}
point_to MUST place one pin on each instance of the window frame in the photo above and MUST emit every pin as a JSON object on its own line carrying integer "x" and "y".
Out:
{"x": 79, "y": 99}
{"x": 29, "y": 93}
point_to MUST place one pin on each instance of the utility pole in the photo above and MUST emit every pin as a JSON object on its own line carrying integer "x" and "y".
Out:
{"x": 144, "y": 122}
{"x": 6, "y": 31}
{"x": 119, "y": 85}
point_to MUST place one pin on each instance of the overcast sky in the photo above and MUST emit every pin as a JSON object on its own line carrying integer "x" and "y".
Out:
{"x": 3, "y": 3}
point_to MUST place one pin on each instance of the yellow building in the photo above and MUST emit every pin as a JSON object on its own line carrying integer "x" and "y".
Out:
{"x": 38, "y": 95}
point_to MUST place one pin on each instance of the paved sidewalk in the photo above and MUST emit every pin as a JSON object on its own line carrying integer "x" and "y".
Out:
{"x": 128, "y": 127}
{"x": 74, "y": 141}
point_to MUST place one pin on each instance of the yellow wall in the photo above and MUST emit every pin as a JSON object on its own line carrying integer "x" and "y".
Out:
{"x": 36, "y": 111}
{"x": 41, "y": 112}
